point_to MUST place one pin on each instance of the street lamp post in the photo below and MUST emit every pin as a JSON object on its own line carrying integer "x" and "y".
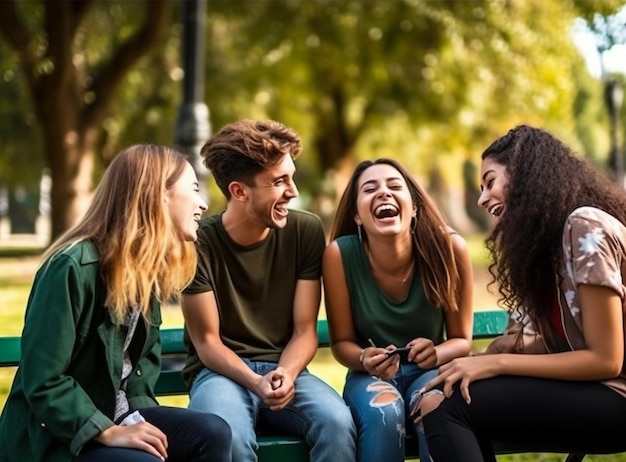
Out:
{"x": 613, "y": 97}
{"x": 193, "y": 126}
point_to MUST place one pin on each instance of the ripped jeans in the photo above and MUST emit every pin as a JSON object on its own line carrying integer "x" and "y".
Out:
{"x": 380, "y": 410}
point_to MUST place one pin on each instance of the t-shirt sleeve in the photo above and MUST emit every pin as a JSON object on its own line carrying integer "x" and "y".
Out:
{"x": 312, "y": 246}
{"x": 202, "y": 280}
{"x": 593, "y": 246}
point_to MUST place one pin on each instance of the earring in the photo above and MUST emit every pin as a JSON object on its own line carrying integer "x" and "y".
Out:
{"x": 359, "y": 232}
{"x": 413, "y": 224}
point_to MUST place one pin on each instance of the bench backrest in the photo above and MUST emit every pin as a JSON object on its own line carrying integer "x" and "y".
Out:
{"x": 487, "y": 324}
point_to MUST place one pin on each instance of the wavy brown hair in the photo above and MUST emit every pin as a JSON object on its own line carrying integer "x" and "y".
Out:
{"x": 431, "y": 239}
{"x": 141, "y": 254}
{"x": 242, "y": 149}
{"x": 547, "y": 181}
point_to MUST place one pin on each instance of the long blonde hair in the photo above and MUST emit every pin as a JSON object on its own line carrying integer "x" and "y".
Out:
{"x": 141, "y": 254}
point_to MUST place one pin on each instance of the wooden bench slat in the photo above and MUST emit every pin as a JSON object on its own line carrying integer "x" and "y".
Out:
{"x": 170, "y": 383}
{"x": 323, "y": 336}
{"x": 10, "y": 350}
{"x": 172, "y": 341}
{"x": 282, "y": 448}
{"x": 489, "y": 324}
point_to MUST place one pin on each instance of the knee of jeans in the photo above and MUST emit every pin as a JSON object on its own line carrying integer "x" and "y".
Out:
{"x": 387, "y": 401}
{"x": 422, "y": 404}
{"x": 206, "y": 423}
{"x": 337, "y": 420}
{"x": 219, "y": 428}
{"x": 384, "y": 394}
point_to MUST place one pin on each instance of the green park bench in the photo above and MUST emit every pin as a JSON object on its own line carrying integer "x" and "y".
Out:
{"x": 285, "y": 448}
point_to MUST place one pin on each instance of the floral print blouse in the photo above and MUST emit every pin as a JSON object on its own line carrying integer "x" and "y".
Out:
{"x": 594, "y": 252}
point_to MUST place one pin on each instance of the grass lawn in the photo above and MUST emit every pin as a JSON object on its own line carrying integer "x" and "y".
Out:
{"x": 18, "y": 264}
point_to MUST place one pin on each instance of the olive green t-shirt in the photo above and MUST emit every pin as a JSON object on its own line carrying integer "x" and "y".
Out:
{"x": 255, "y": 285}
{"x": 378, "y": 317}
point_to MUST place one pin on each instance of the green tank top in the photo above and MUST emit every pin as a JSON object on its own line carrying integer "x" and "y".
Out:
{"x": 378, "y": 317}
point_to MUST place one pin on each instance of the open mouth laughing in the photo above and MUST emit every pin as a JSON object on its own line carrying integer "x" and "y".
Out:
{"x": 386, "y": 211}
{"x": 281, "y": 210}
{"x": 496, "y": 210}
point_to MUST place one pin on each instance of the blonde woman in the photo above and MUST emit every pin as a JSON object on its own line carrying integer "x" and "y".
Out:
{"x": 84, "y": 390}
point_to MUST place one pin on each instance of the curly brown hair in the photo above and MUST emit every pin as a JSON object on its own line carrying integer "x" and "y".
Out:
{"x": 244, "y": 148}
{"x": 547, "y": 181}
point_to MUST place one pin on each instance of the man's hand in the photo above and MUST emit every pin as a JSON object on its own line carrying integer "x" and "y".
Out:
{"x": 276, "y": 389}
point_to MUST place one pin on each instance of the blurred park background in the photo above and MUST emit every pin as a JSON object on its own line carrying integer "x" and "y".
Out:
{"x": 429, "y": 83}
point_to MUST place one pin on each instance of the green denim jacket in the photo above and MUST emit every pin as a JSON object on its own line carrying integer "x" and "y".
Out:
{"x": 64, "y": 390}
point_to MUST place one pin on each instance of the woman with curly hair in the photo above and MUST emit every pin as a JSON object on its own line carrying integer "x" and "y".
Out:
{"x": 397, "y": 279}
{"x": 559, "y": 258}
{"x": 91, "y": 350}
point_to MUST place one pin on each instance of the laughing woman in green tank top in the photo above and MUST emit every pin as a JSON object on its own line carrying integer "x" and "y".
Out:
{"x": 398, "y": 288}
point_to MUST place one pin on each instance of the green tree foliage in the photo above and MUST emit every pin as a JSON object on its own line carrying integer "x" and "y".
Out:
{"x": 20, "y": 149}
{"x": 73, "y": 58}
{"x": 429, "y": 82}
{"x": 609, "y": 30}
{"x": 603, "y": 20}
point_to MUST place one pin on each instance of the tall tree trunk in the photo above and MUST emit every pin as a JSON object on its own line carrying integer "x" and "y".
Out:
{"x": 61, "y": 89}
{"x": 71, "y": 183}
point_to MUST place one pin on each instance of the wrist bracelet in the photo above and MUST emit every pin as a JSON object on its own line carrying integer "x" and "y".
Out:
{"x": 362, "y": 356}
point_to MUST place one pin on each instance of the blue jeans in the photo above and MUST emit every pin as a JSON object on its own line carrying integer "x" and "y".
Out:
{"x": 380, "y": 410}
{"x": 317, "y": 414}
{"x": 191, "y": 436}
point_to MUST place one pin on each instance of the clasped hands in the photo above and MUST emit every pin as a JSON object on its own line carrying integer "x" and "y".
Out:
{"x": 276, "y": 389}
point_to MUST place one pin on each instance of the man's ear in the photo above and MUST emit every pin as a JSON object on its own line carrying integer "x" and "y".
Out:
{"x": 238, "y": 191}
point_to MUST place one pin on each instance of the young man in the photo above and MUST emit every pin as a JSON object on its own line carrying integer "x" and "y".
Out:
{"x": 251, "y": 311}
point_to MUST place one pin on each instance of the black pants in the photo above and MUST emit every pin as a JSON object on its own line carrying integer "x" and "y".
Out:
{"x": 192, "y": 436}
{"x": 537, "y": 415}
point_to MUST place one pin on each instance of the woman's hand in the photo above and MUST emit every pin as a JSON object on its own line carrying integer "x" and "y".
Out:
{"x": 465, "y": 370}
{"x": 143, "y": 436}
{"x": 423, "y": 353}
{"x": 378, "y": 363}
